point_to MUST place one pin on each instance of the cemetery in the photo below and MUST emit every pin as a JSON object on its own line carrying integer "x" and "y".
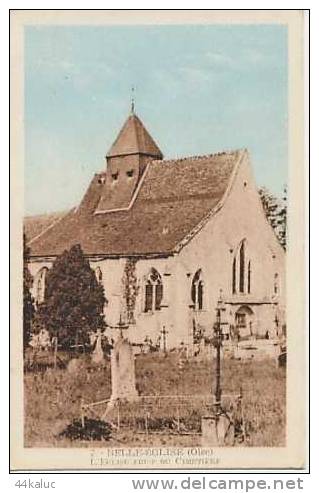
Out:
{"x": 87, "y": 383}
{"x": 136, "y": 397}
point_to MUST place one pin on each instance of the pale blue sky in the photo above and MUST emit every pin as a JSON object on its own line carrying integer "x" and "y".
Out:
{"x": 199, "y": 90}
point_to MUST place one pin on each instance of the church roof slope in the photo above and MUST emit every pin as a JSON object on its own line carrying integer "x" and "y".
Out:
{"x": 174, "y": 198}
{"x": 35, "y": 225}
{"x": 133, "y": 138}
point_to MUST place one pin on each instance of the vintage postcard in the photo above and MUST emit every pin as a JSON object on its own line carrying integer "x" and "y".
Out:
{"x": 157, "y": 234}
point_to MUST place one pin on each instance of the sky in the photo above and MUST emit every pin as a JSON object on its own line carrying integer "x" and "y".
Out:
{"x": 198, "y": 90}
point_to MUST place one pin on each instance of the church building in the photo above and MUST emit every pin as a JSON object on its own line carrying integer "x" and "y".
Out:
{"x": 168, "y": 239}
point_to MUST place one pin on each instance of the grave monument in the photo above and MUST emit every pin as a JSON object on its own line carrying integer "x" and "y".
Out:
{"x": 123, "y": 369}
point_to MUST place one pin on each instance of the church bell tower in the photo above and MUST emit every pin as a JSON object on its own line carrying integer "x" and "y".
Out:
{"x": 126, "y": 161}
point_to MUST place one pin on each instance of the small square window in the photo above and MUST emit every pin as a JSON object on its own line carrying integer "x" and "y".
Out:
{"x": 115, "y": 175}
{"x": 130, "y": 173}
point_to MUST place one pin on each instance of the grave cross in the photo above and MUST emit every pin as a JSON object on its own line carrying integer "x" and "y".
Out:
{"x": 121, "y": 326}
{"x": 164, "y": 333}
{"x": 218, "y": 343}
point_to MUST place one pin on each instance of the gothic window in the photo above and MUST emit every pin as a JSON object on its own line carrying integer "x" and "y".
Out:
{"x": 200, "y": 295}
{"x": 158, "y": 295}
{"x": 197, "y": 291}
{"x": 148, "y": 297}
{"x": 234, "y": 275}
{"x": 153, "y": 291}
{"x": 242, "y": 268}
{"x": 40, "y": 284}
{"x": 98, "y": 275}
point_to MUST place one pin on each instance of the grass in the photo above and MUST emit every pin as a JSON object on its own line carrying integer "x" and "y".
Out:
{"x": 52, "y": 399}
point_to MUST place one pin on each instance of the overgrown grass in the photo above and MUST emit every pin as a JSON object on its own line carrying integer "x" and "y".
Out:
{"x": 52, "y": 398}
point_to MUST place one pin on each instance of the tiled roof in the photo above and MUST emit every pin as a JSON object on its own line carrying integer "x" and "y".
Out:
{"x": 34, "y": 225}
{"x": 174, "y": 198}
{"x": 133, "y": 138}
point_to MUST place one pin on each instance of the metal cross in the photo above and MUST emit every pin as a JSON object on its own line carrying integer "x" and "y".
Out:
{"x": 218, "y": 343}
{"x": 132, "y": 101}
{"x": 164, "y": 332}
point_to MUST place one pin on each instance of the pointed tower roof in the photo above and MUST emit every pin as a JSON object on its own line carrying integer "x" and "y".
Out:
{"x": 133, "y": 138}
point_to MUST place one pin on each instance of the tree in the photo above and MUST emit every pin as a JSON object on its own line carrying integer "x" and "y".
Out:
{"x": 73, "y": 299}
{"x": 28, "y": 305}
{"x": 276, "y": 213}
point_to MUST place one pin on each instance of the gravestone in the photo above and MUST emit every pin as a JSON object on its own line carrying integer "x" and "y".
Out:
{"x": 123, "y": 371}
{"x": 98, "y": 355}
{"x": 214, "y": 430}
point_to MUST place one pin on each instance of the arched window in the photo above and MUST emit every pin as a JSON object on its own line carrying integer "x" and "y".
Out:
{"x": 98, "y": 275}
{"x": 153, "y": 291}
{"x": 40, "y": 284}
{"x": 241, "y": 270}
{"x": 198, "y": 290}
{"x": 234, "y": 275}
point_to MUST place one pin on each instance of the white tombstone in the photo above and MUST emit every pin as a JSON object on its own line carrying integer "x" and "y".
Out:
{"x": 123, "y": 371}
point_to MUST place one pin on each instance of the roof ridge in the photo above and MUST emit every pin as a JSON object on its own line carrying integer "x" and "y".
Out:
{"x": 144, "y": 223}
{"x": 197, "y": 156}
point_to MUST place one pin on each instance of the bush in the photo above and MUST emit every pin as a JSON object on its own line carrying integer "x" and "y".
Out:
{"x": 93, "y": 429}
{"x": 73, "y": 300}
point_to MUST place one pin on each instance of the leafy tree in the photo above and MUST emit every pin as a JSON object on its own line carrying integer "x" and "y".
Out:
{"x": 276, "y": 213}
{"x": 28, "y": 306}
{"x": 73, "y": 299}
